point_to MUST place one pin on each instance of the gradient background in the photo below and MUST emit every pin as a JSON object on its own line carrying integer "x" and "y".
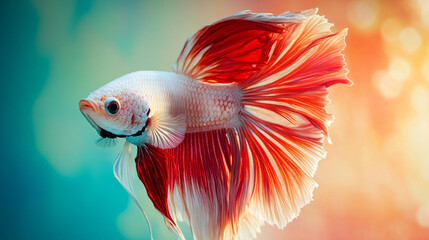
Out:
{"x": 57, "y": 184}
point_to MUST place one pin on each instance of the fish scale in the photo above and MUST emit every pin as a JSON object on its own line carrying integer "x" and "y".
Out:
{"x": 211, "y": 106}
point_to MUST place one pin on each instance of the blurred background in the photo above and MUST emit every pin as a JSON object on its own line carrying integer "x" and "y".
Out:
{"x": 57, "y": 184}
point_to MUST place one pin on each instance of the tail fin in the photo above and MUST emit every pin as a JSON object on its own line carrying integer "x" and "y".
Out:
{"x": 284, "y": 119}
{"x": 283, "y": 65}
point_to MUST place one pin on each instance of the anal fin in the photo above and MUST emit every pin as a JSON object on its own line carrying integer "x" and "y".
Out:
{"x": 152, "y": 170}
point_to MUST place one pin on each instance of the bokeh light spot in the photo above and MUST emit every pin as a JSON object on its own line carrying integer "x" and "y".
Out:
{"x": 399, "y": 69}
{"x": 388, "y": 86}
{"x": 424, "y": 11}
{"x": 419, "y": 99}
{"x": 410, "y": 39}
{"x": 390, "y": 29}
{"x": 424, "y": 14}
{"x": 422, "y": 216}
{"x": 362, "y": 14}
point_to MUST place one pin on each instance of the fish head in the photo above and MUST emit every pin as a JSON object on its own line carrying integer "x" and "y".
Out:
{"x": 116, "y": 110}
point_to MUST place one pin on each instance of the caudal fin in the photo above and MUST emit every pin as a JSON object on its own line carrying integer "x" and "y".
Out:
{"x": 284, "y": 117}
{"x": 232, "y": 181}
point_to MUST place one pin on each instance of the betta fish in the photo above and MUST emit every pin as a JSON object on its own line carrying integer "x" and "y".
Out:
{"x": 231, "y": 138}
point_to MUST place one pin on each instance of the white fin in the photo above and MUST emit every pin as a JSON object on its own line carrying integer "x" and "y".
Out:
{"x": 166, "y": 131}
{"x": 126, "y": 173}
{"x": 106, "y": 142}
{"x": 250, "y": 226}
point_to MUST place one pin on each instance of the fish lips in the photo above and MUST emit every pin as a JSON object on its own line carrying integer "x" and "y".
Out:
{"x": 86, "y": 106}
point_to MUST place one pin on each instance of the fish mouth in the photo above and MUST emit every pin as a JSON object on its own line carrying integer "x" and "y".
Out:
{"x": 86, "y": 106}
{"x": 106, "y": 134}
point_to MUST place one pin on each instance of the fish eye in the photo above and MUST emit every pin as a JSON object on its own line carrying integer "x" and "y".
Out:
{"x": 112, "y": 106}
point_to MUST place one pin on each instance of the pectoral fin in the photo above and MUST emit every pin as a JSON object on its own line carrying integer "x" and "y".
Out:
{"x": 166, "y": 131}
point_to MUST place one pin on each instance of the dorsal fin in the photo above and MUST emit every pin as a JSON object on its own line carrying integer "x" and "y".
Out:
{"x": 234, "y": 48}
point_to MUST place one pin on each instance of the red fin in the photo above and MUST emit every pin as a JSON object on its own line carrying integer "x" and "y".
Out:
{"x": 151, "y": 164}
{"x": 201, "y": 180}
{"x": 234, "y": 48}
{"x": 285, "y": 120}
{"x": 284, "y": 65}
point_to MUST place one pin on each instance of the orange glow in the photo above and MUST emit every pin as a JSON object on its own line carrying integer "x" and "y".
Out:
{"x": 374, "y": 183}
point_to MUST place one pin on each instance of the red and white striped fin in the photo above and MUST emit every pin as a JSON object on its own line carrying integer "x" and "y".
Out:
{"x": 152, "y": 166}
{"x": 236, "y": 47}
{"x": 199, "y": 183}
{"x": 249, "y": 227}
{"x": 285, "y": 120}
